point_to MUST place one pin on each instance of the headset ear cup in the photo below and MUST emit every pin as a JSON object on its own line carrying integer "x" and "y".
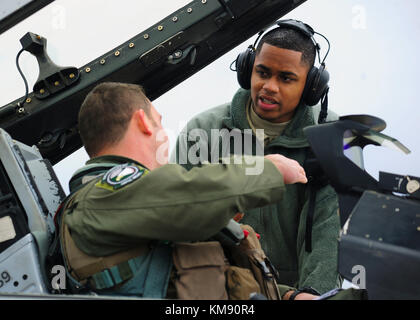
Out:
{"x": 310, "y": 78}
{"x": 316, "y": 85}
{"x": 244, "y": 65}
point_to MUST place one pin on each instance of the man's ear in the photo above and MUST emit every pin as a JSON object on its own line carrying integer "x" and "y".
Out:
{"x": 143, "y": 122}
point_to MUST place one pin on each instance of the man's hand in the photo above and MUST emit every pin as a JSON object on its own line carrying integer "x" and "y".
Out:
{"x": 300, "y": 296}
{"x": 290, "y": 169}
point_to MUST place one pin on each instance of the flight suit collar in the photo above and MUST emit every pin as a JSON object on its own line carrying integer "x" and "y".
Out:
{"x": 114, "y": 160}
{"x": 95, "y": 167}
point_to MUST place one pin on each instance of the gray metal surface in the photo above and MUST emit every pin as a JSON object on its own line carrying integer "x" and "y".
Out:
{"x": 20, "y": 271}
{"x": 38, "y": 189}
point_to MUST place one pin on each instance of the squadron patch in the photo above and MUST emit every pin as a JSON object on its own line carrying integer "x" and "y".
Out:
{"x": 120, "y": 176}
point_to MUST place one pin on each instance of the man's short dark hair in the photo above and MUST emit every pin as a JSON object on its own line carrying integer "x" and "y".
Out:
{"x": 292, "y": 40}
{"x": 106, "y": 112}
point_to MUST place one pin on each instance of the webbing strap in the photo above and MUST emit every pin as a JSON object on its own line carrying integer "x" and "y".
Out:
{"x": 115, "y": 275}
{"x": 159, "y": 272}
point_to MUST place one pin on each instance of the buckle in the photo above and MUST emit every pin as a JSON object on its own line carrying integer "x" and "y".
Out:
{"x": 102, "y": 280}
{"x": 114, "y": 276}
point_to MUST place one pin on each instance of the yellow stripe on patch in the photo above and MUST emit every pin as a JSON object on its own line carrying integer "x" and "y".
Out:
{"x": 105, "y": 186}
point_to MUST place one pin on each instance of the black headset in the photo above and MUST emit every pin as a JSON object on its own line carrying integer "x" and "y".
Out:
{"x": 316, "y": 86}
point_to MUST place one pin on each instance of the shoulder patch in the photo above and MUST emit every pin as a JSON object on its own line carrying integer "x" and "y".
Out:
{"x": 120, "y": 176}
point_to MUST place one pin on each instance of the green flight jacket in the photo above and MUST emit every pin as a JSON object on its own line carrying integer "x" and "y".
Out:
{"x": 168, "y": 203}
{"x": 281, "y": 225}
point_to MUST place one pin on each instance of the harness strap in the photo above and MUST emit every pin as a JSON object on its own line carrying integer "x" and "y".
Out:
{"x": 115, "y": 275}
{"x": 159, "y": 272}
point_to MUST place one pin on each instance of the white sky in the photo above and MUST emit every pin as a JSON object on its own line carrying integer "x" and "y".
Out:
{"x": 372, "y": 63}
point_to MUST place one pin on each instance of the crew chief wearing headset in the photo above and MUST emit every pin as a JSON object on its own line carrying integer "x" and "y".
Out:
{"x": 279, "y": 85}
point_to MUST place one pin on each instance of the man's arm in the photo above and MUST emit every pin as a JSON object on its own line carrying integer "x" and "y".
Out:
{"x": 171, "y": 203}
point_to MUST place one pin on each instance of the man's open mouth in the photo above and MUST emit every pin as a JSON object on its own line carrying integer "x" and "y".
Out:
{"x": 267, "y": 103}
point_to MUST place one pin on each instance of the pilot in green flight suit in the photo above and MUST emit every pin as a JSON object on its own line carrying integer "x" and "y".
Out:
{"x": 128, "y": 204}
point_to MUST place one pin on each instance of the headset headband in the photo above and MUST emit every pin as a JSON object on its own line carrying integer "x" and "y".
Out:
{"x": 301, "y": 27}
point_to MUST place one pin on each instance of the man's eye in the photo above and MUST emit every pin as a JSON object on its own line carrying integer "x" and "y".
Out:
{"x": 262, "y": 74}
{"x": 286, "y": 79}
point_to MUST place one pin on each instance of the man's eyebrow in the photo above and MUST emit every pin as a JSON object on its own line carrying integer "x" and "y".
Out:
{"x": 261, "y": 66}
{"x": 288, "y": 73}
{"x": 283, "y": 73}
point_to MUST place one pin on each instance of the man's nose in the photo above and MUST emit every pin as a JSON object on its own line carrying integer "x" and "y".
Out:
{"x": 271, "y": 85}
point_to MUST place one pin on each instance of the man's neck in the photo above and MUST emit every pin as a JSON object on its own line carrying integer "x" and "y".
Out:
{"x": 129, "y": 151}
{"x": 271, "y": 129}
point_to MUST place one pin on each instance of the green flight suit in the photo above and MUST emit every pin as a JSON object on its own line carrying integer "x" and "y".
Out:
{"x": 282, "y": 224}
{"x": 168, "y": 203}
